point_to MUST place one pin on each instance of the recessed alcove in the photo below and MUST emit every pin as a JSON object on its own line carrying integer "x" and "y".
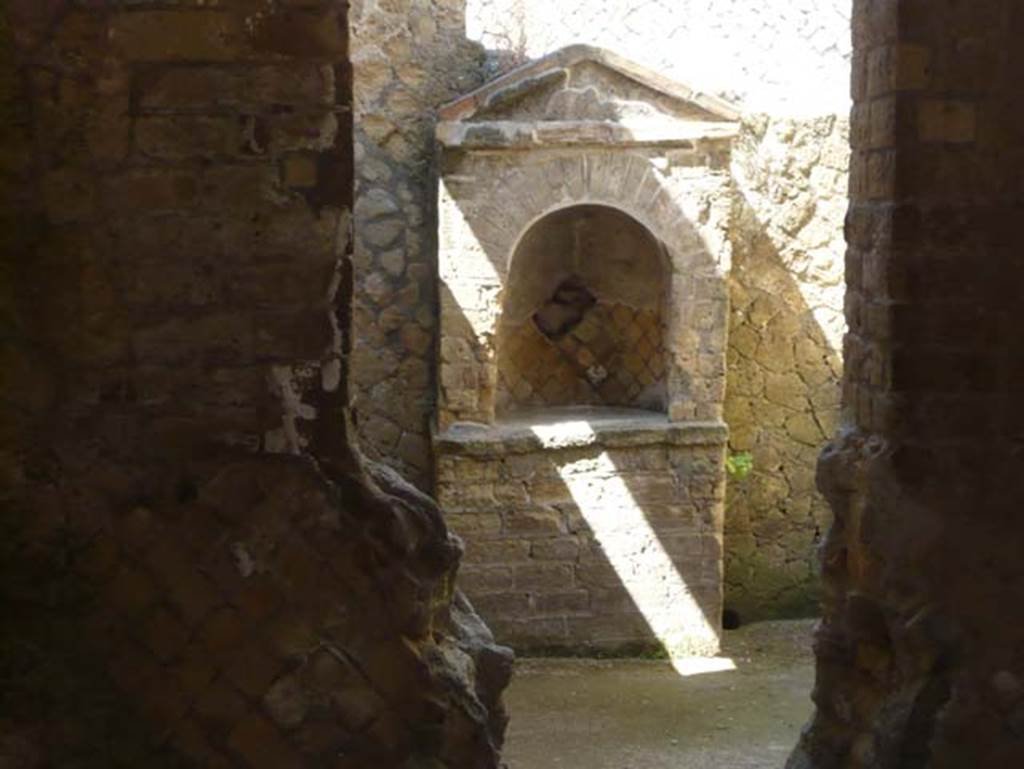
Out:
{"x": 579, "y": 442}
{"x": 582, "y": 321}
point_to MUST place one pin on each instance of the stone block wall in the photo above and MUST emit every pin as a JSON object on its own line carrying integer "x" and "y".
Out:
{"x": 919, "y": 662}
{"x": 595, "y": 529}
{"x": 790, "y": 165}
{"x": 787, "y": 67}
{"x": 604, "y": 537}
{"x": 196, "y": 566}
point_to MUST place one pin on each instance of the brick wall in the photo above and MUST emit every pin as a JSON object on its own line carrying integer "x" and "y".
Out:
{"x": 197, "y": 568}
{"x": 605, "y": 541}
{"x": 919, "y": 662}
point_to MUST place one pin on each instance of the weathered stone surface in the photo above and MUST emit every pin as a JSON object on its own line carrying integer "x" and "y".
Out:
{"x": 197, "y": 567}
{"x": 786, "y": 292}
{"x": 481, "y": 226}
{"x": 161, "y": 572}
{"x": 916, "y": 661}
{"x": 784, "y": 230}
{"x": 593, "y": 553}
{"x": 406, "y": 63}
{"x": 784, "y": 360}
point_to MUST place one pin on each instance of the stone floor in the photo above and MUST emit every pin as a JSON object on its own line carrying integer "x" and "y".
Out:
{"x": 642, "y": 714}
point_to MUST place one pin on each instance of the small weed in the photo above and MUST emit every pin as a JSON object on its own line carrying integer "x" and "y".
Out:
{"x": 740, "y": 464}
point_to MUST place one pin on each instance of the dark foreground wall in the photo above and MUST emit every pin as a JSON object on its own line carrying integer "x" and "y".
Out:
{"x": 196, "y": 568}
{"x": 921, "y": 653}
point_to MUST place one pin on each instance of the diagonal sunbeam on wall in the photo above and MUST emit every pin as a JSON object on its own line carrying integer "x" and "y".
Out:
{"x": 633, "y": 549}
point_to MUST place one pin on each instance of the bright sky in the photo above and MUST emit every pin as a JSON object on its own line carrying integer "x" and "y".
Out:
{"x": 784, "y": 57}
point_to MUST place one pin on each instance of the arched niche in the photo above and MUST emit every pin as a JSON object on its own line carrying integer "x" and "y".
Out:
{"x": 583, "y": 218}
{"x": 583, "y": 314}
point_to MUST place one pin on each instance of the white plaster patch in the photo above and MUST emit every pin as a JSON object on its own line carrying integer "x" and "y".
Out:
{"x": 288, "y": 383}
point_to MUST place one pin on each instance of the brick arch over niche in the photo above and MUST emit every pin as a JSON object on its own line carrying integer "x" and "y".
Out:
{"x": 582, "y": 318}
{"x": 489, "y": 201}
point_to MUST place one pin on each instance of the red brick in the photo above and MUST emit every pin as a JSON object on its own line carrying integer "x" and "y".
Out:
{"x": 257, "y": 741}
{"x": 252, "y": 669}
{"x": 165, "y": 635}
{"x": 223, "y": 632}
{"x": 178, "y": 35}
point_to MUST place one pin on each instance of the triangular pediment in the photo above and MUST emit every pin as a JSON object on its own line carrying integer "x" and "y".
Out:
{"x": 584, "y": 83}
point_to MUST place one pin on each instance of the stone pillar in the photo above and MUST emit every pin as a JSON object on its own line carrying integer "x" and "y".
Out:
{"x": 920, "y": 660}
{"x": 196, "y": 566}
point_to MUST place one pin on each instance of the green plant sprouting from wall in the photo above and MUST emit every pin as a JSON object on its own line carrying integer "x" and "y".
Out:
{"x": 739, "y": 465}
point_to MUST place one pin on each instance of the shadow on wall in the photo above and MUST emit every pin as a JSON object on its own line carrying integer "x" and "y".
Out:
{"x": 400, "y": 79}
{"x": 596, "y": 548}
{"x": 179, "y": 584}
{"x": 782, "y": 406}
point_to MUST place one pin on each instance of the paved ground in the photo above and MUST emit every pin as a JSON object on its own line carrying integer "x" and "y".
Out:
{"x": 640, "y": 714}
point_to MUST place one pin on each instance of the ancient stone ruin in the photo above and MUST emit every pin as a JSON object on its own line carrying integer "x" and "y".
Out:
{"x": 215, "y": 240}
{"x": 580, "y": 444}
{"x": 784, "y": 231}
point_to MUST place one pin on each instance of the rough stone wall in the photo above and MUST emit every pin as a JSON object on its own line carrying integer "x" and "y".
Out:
{"x": 791, "y": 163}
{"x": 784, "y": 363}
{"x": 919, "y": 656}
{"x": 196, "y": 567}
{"x": 409, "y": 57}
{"x": 606, "y": 541}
